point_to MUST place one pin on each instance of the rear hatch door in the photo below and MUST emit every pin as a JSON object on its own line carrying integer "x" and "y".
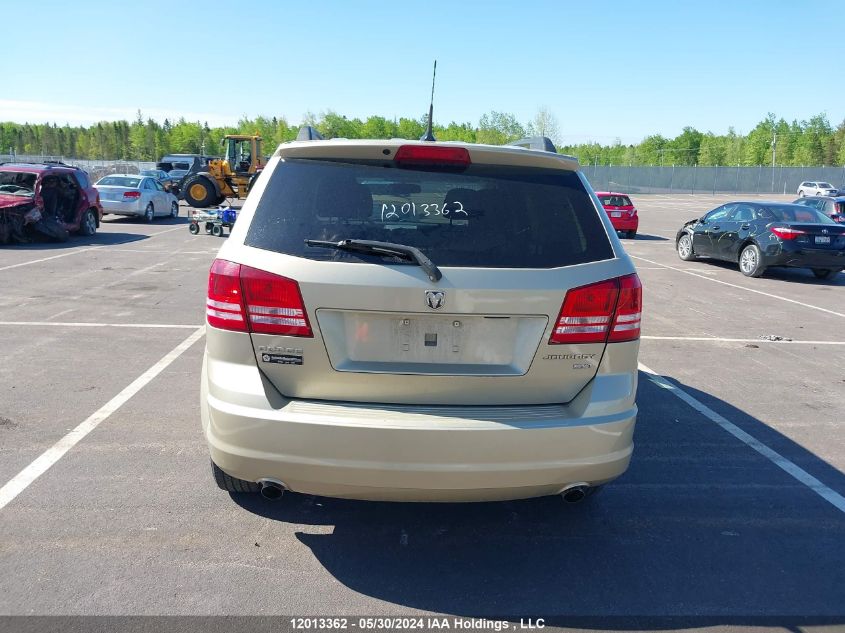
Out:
{"x": 509, "y": 242}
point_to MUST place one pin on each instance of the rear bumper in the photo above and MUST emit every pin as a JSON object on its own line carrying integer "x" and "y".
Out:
{"x": 626, "y": 224}
{"x": 798, "y": 257}
{"x": 122, "y": 208}
{"x": 410, "y": 453}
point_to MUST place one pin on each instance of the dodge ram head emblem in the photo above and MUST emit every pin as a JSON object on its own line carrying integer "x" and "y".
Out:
{"x": 435, "y": 299}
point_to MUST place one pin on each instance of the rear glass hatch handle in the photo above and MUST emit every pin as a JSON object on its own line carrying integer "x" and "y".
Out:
{"x": 408, "y": 253}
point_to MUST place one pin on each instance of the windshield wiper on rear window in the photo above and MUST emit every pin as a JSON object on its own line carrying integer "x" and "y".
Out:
{"x": 408, "y": 253}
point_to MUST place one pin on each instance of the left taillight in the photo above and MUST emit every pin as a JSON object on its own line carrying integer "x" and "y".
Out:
{"x": 274, "y": 304}
{"x": 224, "y": 306}
{"x": 243, "y": 299}
{"x": 787, "y": 233}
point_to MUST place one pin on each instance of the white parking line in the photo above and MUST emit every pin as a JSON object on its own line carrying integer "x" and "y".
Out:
{"x": 46, "y": 259}
{"x": 82, "y": 324}
{"x": 725, "y": 283}
{"x": 738, "y": 340}
{"x": 80, "y": 250}
{"x": 829, "y": 495}
{"x": 43, "y": 462}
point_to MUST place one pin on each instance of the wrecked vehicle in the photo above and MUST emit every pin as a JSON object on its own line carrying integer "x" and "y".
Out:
{"x": 46, "y": 200}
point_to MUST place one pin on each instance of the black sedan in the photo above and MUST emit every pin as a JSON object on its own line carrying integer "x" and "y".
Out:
{"x": 758, "y": 235}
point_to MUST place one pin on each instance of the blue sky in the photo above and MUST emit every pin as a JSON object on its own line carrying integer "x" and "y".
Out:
{"x": 605, "y": 69}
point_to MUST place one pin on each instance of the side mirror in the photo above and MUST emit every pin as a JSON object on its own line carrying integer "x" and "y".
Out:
{"x": 702, "y": 220}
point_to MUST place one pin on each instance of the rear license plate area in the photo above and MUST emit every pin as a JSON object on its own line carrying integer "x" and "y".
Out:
{"x": 430, "y": 344}
{"x": 822, "y": 239}
{"x": 616, "y": 214}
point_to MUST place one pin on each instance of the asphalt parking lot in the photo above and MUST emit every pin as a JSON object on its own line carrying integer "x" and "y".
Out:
{"x": 732, "y": 513}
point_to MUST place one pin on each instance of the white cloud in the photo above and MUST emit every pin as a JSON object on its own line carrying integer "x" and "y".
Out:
{"x": 40, "y": 112}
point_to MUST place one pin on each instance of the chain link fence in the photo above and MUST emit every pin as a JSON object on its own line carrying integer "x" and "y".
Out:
{"x": 624, "y": 179}
{"x": 95, "y": 168}
{"x": 746, "y": 180}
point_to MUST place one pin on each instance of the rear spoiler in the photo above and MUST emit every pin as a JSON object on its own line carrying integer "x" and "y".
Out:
{"x": 543, "y": 143}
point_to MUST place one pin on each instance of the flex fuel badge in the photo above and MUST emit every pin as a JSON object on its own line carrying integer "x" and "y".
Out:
{"x": 281, "y": 356}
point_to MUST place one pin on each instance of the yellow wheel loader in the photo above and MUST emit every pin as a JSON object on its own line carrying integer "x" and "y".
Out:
{"x": 229, "y": 177}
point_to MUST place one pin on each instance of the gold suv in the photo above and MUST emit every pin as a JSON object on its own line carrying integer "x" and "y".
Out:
{"x": 420, "y": 321}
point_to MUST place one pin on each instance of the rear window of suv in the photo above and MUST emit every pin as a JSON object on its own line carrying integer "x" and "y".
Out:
{"x": 483, "y": 216}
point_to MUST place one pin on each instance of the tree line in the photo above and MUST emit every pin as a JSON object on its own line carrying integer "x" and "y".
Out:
{"x": 799, "y": 143}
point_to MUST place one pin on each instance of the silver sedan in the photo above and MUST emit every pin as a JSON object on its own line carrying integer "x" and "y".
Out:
{"x": 135, "y": 195}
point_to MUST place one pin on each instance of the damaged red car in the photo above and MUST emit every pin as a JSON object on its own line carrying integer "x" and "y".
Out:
{"x": 51, "y": 200}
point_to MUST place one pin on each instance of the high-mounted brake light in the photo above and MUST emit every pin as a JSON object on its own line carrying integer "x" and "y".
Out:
{"x": 607, "y": 311}
{"x": 787, "y": 233}
{"x": 245, "y": 299}
{"x": 132, "y": 195}
{"x": 432, "y": 155}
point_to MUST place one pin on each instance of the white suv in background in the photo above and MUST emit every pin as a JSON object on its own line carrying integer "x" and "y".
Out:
{"x": 420, "y": 321}
{"x": 816, "y": 188}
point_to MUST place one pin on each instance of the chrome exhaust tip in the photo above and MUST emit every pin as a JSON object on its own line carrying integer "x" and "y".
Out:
{"x": 272, "y": 489}
{"x": 573, "y": 493}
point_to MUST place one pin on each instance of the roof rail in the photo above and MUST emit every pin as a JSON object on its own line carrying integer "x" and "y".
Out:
{"x": 308, "y": 133}
{"x": 543, "y": 143}
{"x": 46, "y": 163}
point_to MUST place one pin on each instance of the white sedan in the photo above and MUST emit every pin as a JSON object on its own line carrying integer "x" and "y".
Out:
{"x": 134, "y": 195}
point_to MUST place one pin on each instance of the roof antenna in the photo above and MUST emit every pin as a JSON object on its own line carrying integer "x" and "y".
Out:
{"x": 429, "y": 134}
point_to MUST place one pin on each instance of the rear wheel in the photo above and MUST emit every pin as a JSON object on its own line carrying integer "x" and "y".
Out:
{"x": 194, "y": 228}
{"x": 174, "y": 209}
{"x": 825, "y": 273}
{"x": 750, "y": 261}
{"x": 684, "y": 247}
{"x": 632, "y": 235}
{"x": 200, "y": 192}
{"x": 88, "y": 225}
{"x": 801, "y": 194}
{"x": 217, "y": 230}
{"x": 149, "y": 213}
{"x": 232, "y": 484}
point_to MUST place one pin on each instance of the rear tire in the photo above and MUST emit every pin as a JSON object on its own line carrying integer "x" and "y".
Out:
{"x": 88, "y": 225}
{"x": 801, "y": 194}
{"x": 232, "y": 484}
{"x": 194, "y": 228}
{"x": 750, "y": 261}
{"x": 149, "y": 213}
{"x": 684, "y": 247}
{"x": 200, "y": 192}
{"x": 825, "y": 273}
{"x": 174, "y": 209}
{"x": 632, "y": 235}
{"x": 217, "y": 230}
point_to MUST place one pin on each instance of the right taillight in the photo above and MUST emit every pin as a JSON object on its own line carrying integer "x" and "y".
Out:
{"x": 132, "y": 195}
{"x": 629, "y": 310}
{"x": 607, "y": 311}
{"x": 245, "y": 299}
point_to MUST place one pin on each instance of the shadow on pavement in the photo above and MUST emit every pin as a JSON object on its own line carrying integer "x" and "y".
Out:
{"x": 791, "y": 275}
{"x": 701, "y": 531}
{"x": 646, "y": 237}
{"x": 76, "y": 241}
{"x": 159, "y": 221}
